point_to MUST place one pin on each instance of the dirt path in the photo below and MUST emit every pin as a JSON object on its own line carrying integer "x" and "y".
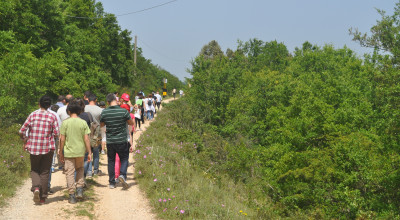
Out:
{"x": 108, "y": 203}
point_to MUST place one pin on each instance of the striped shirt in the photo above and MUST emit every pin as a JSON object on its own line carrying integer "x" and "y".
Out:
{"x": 42, "y": 126}
{"x": 115, "y": 119}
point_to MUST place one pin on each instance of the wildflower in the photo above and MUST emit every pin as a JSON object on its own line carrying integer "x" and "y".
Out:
{"x": 165, "y": 210}
{"x": 155, "y": 180}
{"x": 144, "y": 156}
{"x": 240, "y": 211}
{"x": 4, "y": 161}
{"x": 187, "y": 200}
{"x": 22, "y": 156}
{"x": 245, "y": 213}
{"x": 160, "y": 200}
{"x": 169, "y": 199}
{"x": 173, "y": 196}
{"x": 164, "y": 173}
{"x": 222, "y": 205}
{"x": 168, "y": 189}
{"x": 175, "y": 207}
{"x": 165, "y": 200}
{"x": 140, "y": 172}
{"x": 182, "y": 211}
{"x": 149, "y": 153}
{"x": 154, "y": 174}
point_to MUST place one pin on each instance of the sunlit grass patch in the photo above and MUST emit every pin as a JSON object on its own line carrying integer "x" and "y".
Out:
{"x": 175, "y": 172}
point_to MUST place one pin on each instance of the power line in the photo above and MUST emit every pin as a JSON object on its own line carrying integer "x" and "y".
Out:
{"x": 129, "y": 13}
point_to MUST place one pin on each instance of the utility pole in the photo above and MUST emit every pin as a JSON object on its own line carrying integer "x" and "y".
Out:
{"x": 134, "y": 55}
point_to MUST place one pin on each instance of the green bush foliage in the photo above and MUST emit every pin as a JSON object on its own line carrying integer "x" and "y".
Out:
{"x": 316, "y": 130}
{"x": 46, "y": 49}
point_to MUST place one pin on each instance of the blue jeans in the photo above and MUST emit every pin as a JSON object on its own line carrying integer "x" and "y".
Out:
{"x": 150, "y": 114}
{"x": 88, "y": 165}
{"x": 123, "y": 152}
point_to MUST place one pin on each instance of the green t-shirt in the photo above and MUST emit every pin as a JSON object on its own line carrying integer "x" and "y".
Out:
{"x": 115, "y": 119}
{"x": 74, "y": 130}
{"x": 139, "y": 102}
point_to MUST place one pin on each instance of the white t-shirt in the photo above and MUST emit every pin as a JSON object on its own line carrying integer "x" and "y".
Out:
{"x": 62, "y": 112}
{"x": 158, "y": 97}
{"x": 147, "y": 107}
{"x": 137, "y": 113}
{"x": 95, "y": 111}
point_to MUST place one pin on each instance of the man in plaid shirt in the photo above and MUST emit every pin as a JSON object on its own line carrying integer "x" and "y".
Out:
{"x": 39, "y": 132}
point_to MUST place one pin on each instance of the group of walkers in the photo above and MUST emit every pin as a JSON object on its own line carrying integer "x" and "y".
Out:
{"x": 74, "y": 130}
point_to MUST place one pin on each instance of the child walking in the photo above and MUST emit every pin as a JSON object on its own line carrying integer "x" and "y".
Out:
{"x": 74, "y": 143}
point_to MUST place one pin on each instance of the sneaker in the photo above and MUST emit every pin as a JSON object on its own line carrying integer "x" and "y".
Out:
{"x": 42, "y": 201}
{"x": 103, "y": 152}
{"x": 72, "y": 199}
{"x": 53, "y": 170}
{"x": 36, "y": 195}
{"x": 79, "y": 193}
{"x": 111, "y": 186}
{"x": 123, "y": 182}
{"x": 97, "y": 172}
{"x": 50, "y": 192}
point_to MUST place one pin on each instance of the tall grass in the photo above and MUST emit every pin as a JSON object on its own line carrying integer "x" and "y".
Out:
{"x": 14, "y": 161}
{"x": 179, "y": 171}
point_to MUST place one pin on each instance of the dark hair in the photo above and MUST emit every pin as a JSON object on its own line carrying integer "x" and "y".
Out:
{"x": 60, "y": 98}
{"x": 74, "y": 107}
{"x": 81, "y": 103}
{"x": 102, "y": 103}
{"x": 87, "y": 94}
{"x": 92, "y": 97}
{"x": 45, "y": 102}
{"x": 110, "y": 97}
{"x": 54, "y": 108}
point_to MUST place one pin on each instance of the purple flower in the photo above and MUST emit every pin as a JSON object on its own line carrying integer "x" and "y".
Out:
{"x": 165, "y": 200}
{"x": 4, "y": 161}
{"x": 168, "y": 189}
{"x": 169, "y": 199}
{"x": 173, "y": 196}
{"x": 22, "y": 155}
{"x": 175, "y": 207}
{"x": 160, "y": 200}
{"x": 140, "y": 172}
{"x": 165, "y": 210}
{"x": 155, "y": 180}
{"x": 144, "y": 156}
{"x": 182, "y": 211}
{"x": 150, "y": 153}
{"x": 222, "y": 205}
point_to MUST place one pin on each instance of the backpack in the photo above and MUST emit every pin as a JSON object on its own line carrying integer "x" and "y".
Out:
{"x": 149, "y": 102}
{"x": 95, "y": 134}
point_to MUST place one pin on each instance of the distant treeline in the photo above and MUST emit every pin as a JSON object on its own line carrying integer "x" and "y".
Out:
{"x": 316, "y": 130}
{"x": 45, "y": 48}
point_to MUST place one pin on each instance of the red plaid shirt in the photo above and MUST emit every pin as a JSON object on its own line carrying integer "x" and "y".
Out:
{"x": 42, "y": 126}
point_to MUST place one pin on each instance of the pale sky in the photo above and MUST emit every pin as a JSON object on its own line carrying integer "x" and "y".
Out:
{"x": 173, "y": 34}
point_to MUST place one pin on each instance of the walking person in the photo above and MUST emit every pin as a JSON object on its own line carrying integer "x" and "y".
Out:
{"x": 116, "y": 120}
{"x": 74, "y": 142}
{"x": 180, "y": 93}
{"x": 137, "y": 115}
{"x": 174, "y": 92}
{"x": 53, "y": 109}
{"x": 158, "y": 99}
{"x": 149, "y": 107}
{"x": 38, "y": 133}
{"x": 95, "y": 111}
{"x": 140, "y": 104}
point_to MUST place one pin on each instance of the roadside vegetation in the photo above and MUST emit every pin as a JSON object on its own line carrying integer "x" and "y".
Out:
{"x": 308, "y": 134}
